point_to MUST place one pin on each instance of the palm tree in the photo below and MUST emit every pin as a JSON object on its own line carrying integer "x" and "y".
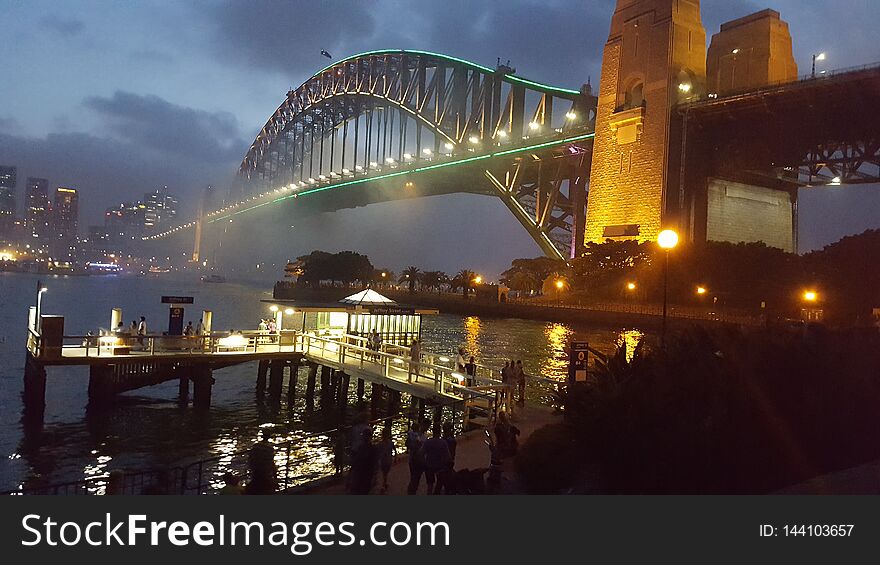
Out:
{"x": 433, "y": 279}
{"x": 410, "y": 275}
{"x": 463, "y": 279}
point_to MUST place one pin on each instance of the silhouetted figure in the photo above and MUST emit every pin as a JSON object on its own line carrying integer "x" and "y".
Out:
{"x": 363, "y": 465}
{"x": 414, "y": 441}
{"x": 261, "y": 462}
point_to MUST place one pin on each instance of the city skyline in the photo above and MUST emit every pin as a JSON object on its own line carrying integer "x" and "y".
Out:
{"x": 182, "y": 110}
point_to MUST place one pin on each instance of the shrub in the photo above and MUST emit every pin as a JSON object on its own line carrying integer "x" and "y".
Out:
{"x": 548, "y": 459}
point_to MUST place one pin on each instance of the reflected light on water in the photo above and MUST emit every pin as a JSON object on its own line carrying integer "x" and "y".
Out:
{"x": 473, "y": 327}
{"x": 555, "y": 364}
{"x": 630, "y": 339}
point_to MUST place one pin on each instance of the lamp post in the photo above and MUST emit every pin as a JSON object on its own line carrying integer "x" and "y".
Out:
{"x": 667, "y": 240}
{"x": 816, "y": 57}
{"x": 559, "y": 284}
{"x": 40, "y": 290}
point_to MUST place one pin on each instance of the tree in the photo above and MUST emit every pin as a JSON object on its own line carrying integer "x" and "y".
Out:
{"x": 345, "y": 267}
{"x": 433, "y": 279}
{"x": 410, "y": 275}
{"x": 527, "y": 274}
{"x": 463, "y": 280}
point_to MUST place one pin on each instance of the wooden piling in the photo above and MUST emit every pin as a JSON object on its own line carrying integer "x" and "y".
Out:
{"x": 342, "y": 393}
{"x": 262, "y": 369}
{"x": 325, "y": 382}
{"x": 276, "y": 377}
{"x": 310, "y": 384}
{"x": 34, "y": 391}
{"x": 183, "y": 387}
{"x": 292, "y": 381}
{"x": 360, "y": 389}
{"x": 203, "y": 381}
{"x": 100, "y": 384}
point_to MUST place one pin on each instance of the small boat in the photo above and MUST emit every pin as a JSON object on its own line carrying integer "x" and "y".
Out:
{"x": 213, "y": 278}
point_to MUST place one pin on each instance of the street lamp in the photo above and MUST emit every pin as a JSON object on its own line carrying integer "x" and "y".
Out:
{"x": 631, "y": 286}
{"x": 816, "y": 57}
{"x": 478, "y": 279}
{"x": 811, "y": 296}
{"x": 667, "y": 240}
{"x": 560, "y": 284}
{"x": 701, "y": 290}
{"x": 40, "y": 290}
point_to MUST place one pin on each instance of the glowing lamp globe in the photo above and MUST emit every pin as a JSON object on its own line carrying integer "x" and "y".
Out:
{"x": 667, "y": 239}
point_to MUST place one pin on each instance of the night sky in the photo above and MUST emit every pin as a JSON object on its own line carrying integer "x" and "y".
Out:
{"x": 118, "y": 98}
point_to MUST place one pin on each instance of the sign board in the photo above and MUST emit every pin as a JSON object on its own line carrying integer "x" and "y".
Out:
{"x": 175, "y": 321}
{"x": 578, "y": 361}
{"x": 391, "y": 310}
{"x": 177, "y": 300}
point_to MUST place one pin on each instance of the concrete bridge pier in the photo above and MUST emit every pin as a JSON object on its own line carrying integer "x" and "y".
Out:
{"x": 262, "y": 369}
{"x": 34, "y": 391}
{"x": 203, "y": 381}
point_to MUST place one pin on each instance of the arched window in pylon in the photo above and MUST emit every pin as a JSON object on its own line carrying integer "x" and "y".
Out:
{"x": 634, "y": 96}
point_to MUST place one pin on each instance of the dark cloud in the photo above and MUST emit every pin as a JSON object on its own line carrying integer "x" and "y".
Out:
{"x": 154, "y": 123}
{"x": 559, "y": 42}
{"x": 288, "y": 36}
{"x": 64, "y": 26}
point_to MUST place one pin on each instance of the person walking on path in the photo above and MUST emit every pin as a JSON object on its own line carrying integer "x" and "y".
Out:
{"x": 386, "y": 457}
{"x": 437, "y": 459}
{"x": 446, "y": 477}
{"x": 415, "y": 439}
{"x": 363, "y": 465}
{"x": 142, "y": 331}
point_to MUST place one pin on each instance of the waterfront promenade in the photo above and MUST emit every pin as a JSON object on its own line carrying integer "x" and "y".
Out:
{"x": 471, "y": 453}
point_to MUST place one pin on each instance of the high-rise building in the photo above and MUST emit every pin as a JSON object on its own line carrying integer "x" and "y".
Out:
{"x": 160, "y": 208}
{"x": 124, "y": 225}
{"x": 37, "y": 219}
{"x": 8, "y": 178}
{"x": 65, "y": 220}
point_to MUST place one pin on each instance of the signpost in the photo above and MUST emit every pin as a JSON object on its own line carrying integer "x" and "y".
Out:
{"x": 175, "y": 313}
{"x": 578, "y": 362}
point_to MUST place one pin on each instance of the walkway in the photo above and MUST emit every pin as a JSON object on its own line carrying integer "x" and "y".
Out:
{"x": 471, "y": 453}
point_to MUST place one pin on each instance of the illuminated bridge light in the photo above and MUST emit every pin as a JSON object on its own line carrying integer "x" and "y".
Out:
{"x": 474, "y": 139}
{"x": 571, "y": 115}
{"x": 448, "y": 146}
{"x": 236, "y": 210}
{"x": 534, "y": 126}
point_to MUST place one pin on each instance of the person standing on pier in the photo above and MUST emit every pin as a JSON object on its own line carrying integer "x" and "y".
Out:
{"x": 189, "y": 330}
{"x": 142, "y": 331}
{"x": 470, "y": 368}
{"x": 459, "y": 361}
{"x": 386, "y": 457}
{"x": 415, "y": 356}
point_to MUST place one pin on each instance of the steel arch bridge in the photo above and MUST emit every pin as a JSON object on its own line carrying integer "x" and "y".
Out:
{"x": 394, "y": 124}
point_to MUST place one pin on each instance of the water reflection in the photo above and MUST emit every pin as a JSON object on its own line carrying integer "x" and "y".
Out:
{"x": 630, "y": 339}
{"x": 473, "y": 328}
{"x": 555, "y": 363}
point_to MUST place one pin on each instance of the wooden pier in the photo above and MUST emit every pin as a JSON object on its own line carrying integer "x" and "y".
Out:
{"x": 120, "y": 363}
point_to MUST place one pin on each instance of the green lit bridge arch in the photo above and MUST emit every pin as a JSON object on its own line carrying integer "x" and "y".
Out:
{"x": 386, "y": 122}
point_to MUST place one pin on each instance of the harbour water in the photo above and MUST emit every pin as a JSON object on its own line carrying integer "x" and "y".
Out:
{"x": 148, "y": 428}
